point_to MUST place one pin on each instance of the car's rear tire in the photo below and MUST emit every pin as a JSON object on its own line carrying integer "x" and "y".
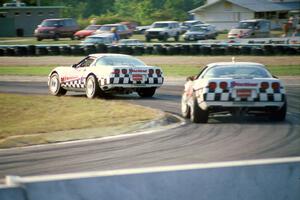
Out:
{"x": 55, "y": 86}
{"x": 146, "y": 92}
{"x": 148, "y": 39}
{"x": 92, "y": 88}
{"x": 185, "y": 108}
{"x": 198, "y": 115}
{"x": 176, "y": 38}
{"x": 39, "y": 39}
{"x": 56, "y": 37}
{"x": 280, "y": 114}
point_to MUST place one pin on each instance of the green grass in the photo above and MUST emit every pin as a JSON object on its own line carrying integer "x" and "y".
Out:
{"x": 169, "y": 70}
{"x": 44, "y": 119}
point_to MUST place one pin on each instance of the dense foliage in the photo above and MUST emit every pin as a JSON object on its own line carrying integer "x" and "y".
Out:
{"x": 109, "y": 11}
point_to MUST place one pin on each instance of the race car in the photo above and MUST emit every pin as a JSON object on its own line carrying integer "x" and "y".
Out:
{"x": 104, "y": 74}
{"x": 236, "y": 88}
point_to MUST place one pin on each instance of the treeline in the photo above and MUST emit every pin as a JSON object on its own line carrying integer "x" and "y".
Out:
{"x": 142, "y": 11}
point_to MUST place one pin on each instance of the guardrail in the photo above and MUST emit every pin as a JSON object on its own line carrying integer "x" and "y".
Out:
{"x": 207, "y": 48}
{"x": 274, "y": 179}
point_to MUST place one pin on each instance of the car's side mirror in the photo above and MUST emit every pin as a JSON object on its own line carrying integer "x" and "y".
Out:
{"x": 74, "y": 66}
{"x": 190, "y": 78}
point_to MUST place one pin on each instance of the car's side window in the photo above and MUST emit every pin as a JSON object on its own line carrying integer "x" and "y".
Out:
{"x": 86, "y": 62}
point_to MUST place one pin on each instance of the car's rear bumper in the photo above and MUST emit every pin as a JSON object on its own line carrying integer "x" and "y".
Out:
{"x": 239, "y": 104}
{"x": 128, "y": 86}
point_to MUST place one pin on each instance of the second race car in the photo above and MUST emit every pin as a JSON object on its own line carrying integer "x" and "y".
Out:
{"x": 236, "y": 88}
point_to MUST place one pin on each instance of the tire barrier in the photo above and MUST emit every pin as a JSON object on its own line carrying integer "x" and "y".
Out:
{"x": 41, "y": 51}
{"x": 76, "y": 50}
{"x": 138, "y": 50}
{"x": 31, "y": 50}
{"x": 124, "y": 49}
{"x": 90, "y": 49}
{"x": 53, "y": 50}
{"x": 101, "y": 48}
{"x": 205, "y": 50}
{"x": 156, "y": 49}
{"x": 113, "y": 49}
{"x": 2, "y": 52}
{"x": 65, "y": 50}
{"x": 245, "y": 50}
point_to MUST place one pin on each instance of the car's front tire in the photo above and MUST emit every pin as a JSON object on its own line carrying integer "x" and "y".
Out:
{"x": 92, "y": 89}
{"x": 55, "y": 87}
{"x": 185, "y": 108}
{"x": 198, "y": 115}
{"x": 146, "y": 92}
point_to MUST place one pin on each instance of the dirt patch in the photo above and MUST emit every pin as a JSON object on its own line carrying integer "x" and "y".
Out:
{"x": 152, "y": 60}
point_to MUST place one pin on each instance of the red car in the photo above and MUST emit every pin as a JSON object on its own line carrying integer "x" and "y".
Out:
{"x": 89, "y": 30}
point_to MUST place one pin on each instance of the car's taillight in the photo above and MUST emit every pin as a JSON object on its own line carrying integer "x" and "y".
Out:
{"x": 212, "y": 85}
{"x": 116, "y": 71}
{"x": 275, "y": 86}
{"x": 124, "y": 71}
{"x": 264, "y": 85}
{"x": 151, "y": 71}
{"x": 223, "y": 85}
{"x": 157, "y": 71}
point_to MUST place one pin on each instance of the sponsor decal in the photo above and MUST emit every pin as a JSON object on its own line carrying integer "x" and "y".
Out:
{"x": 137, "y": 77}
{"x": 138, "y": 70}
{"x": 243, "y": 93}
{"x": 237, "y": 84}
{"x": 71, "y": 78}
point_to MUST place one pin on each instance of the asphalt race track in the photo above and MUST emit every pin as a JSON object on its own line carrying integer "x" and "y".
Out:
{"x": 224, "y": 138}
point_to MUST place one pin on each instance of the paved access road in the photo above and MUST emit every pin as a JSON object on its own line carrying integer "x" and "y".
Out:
{"x": 222, "y": 139}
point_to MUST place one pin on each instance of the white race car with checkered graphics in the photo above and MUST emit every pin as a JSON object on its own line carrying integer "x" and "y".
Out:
{"x": 102, "y": 74}
{"x": 236, "y": 88}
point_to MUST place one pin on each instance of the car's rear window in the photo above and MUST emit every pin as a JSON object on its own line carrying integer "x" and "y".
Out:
{"x": 237, "y": 72}
{"x": 119, "y": 61}
{"x": 52, "y": 23}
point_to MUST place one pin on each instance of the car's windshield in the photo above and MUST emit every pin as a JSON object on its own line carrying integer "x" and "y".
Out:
{"x": 97, "y": 40}
{"x": 119, "y": 61}
{"x": 199, "y": 28}
{"x": 160, "y": 25}
{"x": 92, "y": 27}
{"x": 51, "y": 23}
{"x": 237, "y": 72}
{"x": 246, "y": 25}
{"x": 106, "y": 28}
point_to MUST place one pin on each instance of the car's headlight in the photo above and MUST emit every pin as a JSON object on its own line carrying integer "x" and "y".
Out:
{"x": 36, "y": 31}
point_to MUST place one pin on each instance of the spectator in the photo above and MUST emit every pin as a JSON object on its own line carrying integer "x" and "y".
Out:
{"x": 116, "y": 36}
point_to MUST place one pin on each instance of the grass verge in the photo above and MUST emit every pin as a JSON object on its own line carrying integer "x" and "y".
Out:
{"x": 169, "y": 70}
{"x": 27, "y": 120}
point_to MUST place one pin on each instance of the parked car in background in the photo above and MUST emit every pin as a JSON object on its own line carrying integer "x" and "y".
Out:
{"x": 56, "y": 28}
{"x": 187, "y": 25}
{"x": 201, "y": 32}
{"x": 131, "y": 42}
{"x": 98, "y": 39}
{"x": 130, "y": 25}
{"x": 89, "y": 30}
{"x": 141, "y": 29}
{"x": 163, "y": 30}
{"x": 122, "y": 30}
{"x": 254, "y": 28}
